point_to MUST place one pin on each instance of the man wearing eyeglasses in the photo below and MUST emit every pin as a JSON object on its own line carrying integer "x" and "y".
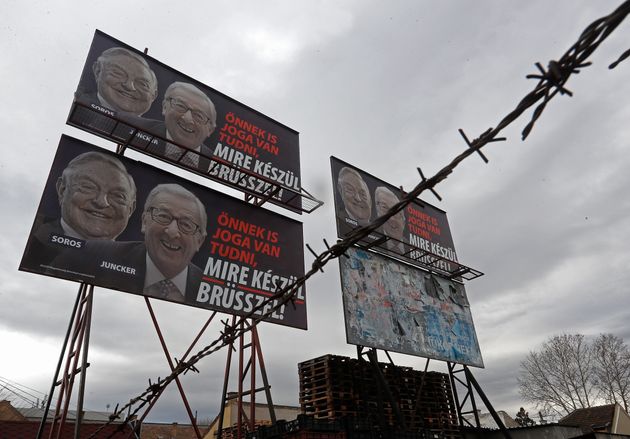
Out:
{"x": 190, "y": 117}
{"x": 355, "y": 195}
{"x": 96, "y": 198}
{"x": 125, "y": 82}
{"x": 174, "y": 224}
{"x": 394, "y": 227}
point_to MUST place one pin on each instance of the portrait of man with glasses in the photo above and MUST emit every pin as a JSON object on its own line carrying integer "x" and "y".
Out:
{"x": 355, "y": 196}
{"x": 97, "y": 196}
{"x": 125, "y": 83}
{"x": 174, "y": 225}
{"x": 190, "y": 117}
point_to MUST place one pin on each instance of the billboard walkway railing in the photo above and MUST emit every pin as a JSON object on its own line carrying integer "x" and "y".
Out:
{"x": 129, "y": 135}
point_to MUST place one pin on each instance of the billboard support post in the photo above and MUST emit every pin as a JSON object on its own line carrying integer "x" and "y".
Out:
{"x": 469, "y": 383}
{"x": 172, "y": 367}
{"x": 78, "y": 334}
{"x": 250, "y": 361}
{"x": 383, "y": 387}
{"x": 184, "y": 357}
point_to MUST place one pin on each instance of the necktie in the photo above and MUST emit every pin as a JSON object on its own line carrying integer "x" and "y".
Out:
{"x": 164, "y": 289}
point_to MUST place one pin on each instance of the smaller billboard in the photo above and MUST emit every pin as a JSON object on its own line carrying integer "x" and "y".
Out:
{"x": 131, "y": 98}
{"x": 419, "y": 234}
{"x": 394, "y": 306}
{"x": 121, "y": 224}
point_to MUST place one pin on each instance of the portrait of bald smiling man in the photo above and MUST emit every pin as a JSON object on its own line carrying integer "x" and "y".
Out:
{"x": 174, "y": 224}
{"x": 125, "y": 82}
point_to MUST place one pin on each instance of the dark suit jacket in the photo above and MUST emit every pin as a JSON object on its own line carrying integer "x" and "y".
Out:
{"x": 157, "y": 145}
{"x": 98, "y": 118}
{"x": 118, "y": 265}
{"x": 40, "y": 250}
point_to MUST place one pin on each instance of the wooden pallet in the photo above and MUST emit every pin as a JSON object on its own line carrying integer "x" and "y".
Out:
{"x": 335, "y": 387}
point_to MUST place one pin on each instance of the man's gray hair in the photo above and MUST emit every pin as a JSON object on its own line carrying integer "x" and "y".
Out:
{"x": 115, "y": 51}
{"x": 94, "y": 156}
{"x": 175, "y": 189}
{"x": 345, "y": 171}
{"x": 385, "y": 191}
{"x": 185, "y": 85}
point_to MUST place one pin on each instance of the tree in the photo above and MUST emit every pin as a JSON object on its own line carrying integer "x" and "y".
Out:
{"x": 560, "y": 377}
{"x": 612, "y": 369}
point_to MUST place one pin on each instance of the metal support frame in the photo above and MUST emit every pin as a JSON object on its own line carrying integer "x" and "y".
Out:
{"x": 172, "y": 366}
{"x": 250, "y": 360}
{"x": 78, "y": 334}
{"x": 383, "y": 386}
{"x": 469, "y": 383}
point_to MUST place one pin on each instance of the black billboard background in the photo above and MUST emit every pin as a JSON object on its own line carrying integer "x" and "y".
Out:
{"x": 426, "y": 227}
{"x": 278, "y": 145}
{"x": 278, "y": 259}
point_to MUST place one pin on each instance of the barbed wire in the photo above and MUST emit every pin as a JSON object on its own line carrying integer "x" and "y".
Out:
{"x": 551, "y": 82}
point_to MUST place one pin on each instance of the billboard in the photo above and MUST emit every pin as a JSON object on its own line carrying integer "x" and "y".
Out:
{"x": 118, "y": 223}
{"x": 419, "y": 234}
{"x": 397, "y": 307}
{"x": 130, "y": 98}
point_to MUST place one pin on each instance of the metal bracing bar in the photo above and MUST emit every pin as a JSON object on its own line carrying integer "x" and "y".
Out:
{"x": 373, "y": 357}
{"x": 84, "y": 363}
{"x": 263, "y": 373}
{"x": 224, "y": 398}
{"x": 59, "y": 363}
{"x": 252, "y": 376}
{"x": 486, "y": 401}
{"x": 251, "y": 365}
{"x": 468, "y": 394}
{"x": 172, "y": 367}
{"x": 65, "y": 389}
{"x": 419, "y": 393}
{"x": 471, "y": 384}
{"x": 239, "y": 401}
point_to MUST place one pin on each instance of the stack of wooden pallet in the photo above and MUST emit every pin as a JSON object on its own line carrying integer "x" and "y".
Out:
{"x": 335, "y": 387}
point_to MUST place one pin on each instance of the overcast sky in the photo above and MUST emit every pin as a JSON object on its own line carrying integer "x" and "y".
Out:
{"x": 384, "y": 86}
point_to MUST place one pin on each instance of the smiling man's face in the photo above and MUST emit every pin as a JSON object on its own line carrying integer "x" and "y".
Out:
{"x": 96, "y": 200}
{"x": 188, "y": 116}
{"x": 126, "y": 84}
{"x": 395, "y": 225}
{"x": 168, "y": 247}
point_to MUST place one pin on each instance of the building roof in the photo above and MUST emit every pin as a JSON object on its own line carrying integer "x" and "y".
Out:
{"x": 36, "y": 413}
{"x": 487, "y": 421}
{"x": 596, "y": 418}
{"x": 172, "y": 431}
{"x": 9, "y": 413}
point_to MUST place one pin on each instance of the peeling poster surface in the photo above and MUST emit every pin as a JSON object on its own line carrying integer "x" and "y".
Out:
{"x": 393, "y": 306}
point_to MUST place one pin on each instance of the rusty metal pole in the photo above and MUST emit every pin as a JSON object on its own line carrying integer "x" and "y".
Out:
{"x": 60, "y": 362}
{"x": 84, "y": 363}
{"x": 170, "y": 363}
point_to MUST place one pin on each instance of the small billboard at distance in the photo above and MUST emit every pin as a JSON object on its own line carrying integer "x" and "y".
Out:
{"x": 397, "y": 307}
{"x": 419, "y": 233}
{"x": 121, "y": 224}
{"x": 130, "y": 98}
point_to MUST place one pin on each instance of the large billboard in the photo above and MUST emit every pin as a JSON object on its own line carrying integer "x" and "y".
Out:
{"x": 418, "y": 234}
{"x": 130, "y": 98}
{"x": 397, "y": 307}
{"x": 122, "y": 224}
